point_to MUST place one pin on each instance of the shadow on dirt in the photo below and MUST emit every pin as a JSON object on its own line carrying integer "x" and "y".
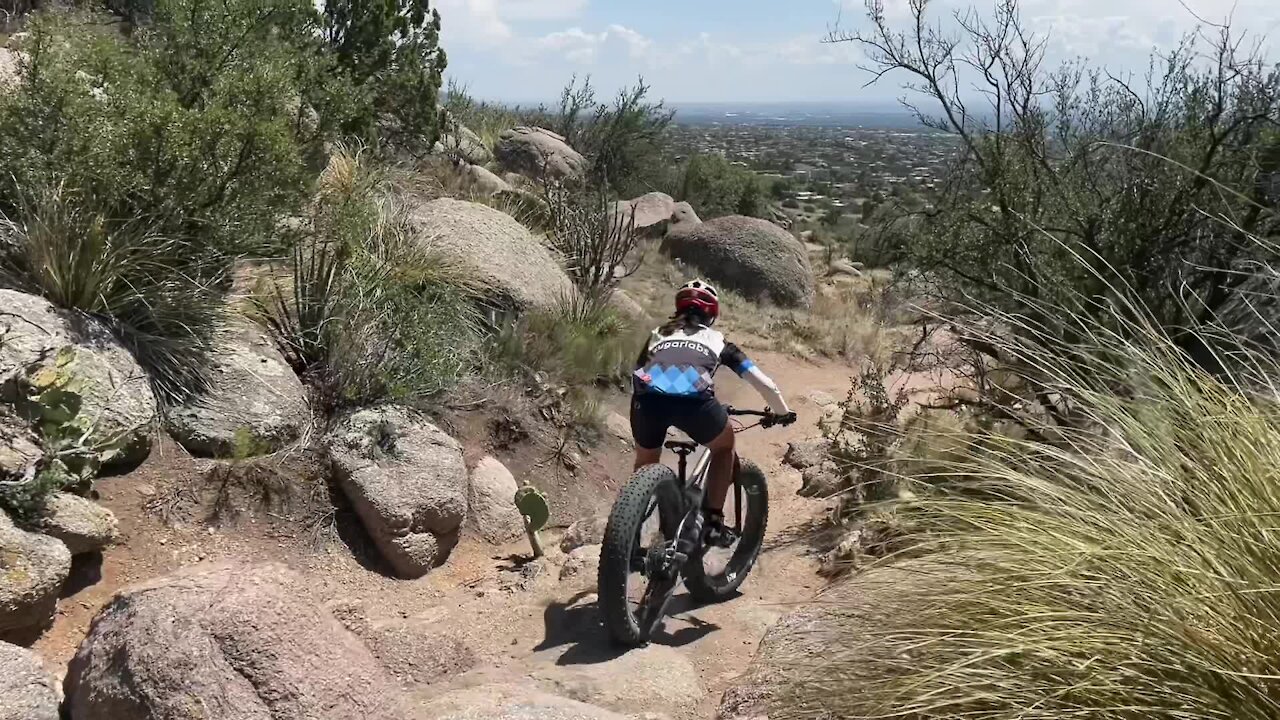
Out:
{"x": 576, "y": 625}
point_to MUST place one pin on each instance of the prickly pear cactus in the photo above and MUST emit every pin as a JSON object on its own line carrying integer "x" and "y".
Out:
{"x": 532, "y": 504}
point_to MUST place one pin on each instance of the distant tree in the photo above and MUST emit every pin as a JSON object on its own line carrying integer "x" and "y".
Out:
{"x": 750, "y": 200}
{"x": 715, "y": 187}
{"x": 389, "y": 50}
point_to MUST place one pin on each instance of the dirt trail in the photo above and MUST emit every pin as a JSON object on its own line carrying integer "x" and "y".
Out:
{"x": 488, "y": 615}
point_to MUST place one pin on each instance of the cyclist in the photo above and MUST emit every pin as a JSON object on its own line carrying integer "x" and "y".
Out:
{"x": 674, "y": 386}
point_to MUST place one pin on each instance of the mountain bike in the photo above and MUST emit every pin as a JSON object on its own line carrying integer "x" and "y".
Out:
{"x": 655, "y": 536}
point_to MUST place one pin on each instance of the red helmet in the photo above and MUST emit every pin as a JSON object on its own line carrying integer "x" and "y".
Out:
{"x": 701, "y": 296}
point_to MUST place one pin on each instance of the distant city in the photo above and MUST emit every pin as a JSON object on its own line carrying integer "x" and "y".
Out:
{"x": 879, "y": 115}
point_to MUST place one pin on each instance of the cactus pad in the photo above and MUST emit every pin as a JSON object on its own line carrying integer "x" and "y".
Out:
{"x": 532, "y": 504}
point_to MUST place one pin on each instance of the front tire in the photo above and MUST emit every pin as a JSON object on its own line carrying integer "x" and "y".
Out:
{"x": 717, "y": 584}
{"x": 653, "y": 489}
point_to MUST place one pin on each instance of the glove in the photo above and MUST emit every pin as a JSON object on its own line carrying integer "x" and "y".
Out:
{"x": 785, "y": 419}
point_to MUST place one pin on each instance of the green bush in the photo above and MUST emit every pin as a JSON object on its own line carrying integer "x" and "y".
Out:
{"x": 368, "y": 316}
{"x": 574, "y": 352}
{"x": 158, "y": 291}
{"x": 624, "y": 141}
{"x": 189, "y": 128}
{"x": 716, "y": 187}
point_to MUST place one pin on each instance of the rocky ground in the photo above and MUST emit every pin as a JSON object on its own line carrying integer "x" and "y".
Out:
{"x": 376, "y": 567}
{"x": 488, "y": 616}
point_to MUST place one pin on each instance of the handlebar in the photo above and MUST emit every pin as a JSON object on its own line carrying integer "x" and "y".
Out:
{"x": 768, "y": 417}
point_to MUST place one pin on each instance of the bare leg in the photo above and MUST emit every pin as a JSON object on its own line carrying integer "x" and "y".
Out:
{"x": 645, "y": 456}
{"x": 720, "y": 478}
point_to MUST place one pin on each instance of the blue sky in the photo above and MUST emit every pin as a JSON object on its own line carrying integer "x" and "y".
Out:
{"x": 766, "y": 50}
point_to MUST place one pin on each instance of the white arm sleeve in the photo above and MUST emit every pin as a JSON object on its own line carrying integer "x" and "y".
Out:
{"x": 767, "y": 389}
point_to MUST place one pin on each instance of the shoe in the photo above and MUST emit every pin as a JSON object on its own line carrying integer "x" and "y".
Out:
{"x": 714, "y": 532}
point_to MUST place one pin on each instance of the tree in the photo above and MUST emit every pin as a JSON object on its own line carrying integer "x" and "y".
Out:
{"x": 624, "y": 141}
{"x": 715, "y": 187}
{"x": 389, "y": 50}
{"x": 1075, "y": 182}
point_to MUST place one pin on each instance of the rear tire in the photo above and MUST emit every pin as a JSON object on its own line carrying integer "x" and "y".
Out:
{"x": 650, "y": 484}
{"x": 720, "y": 586}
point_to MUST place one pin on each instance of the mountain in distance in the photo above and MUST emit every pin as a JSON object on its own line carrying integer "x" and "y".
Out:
{"x": 884, "y": 115}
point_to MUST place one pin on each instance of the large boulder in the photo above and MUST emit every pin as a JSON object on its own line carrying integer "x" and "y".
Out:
{"x": 227, "y": 642}
{"x": 511, "y": 702}
{"x": 493, "y": 509}
{"x": 27, "y": 692}
{"x": 32, "y": 570}
{"x": 81, "y": 524}
{"x": 498, "y": 252}
{"x": 407, "y": 481}
{"x": 750, "y": 255}
{"x": 481, "y": 181}
{"x": 48, "y": 352}
{"x": 539, "y": 154}
{"x": 20, "y": 452}
{"x": 465, "y": 145}
{"x": 651, "y": 213}
{"x": 255, "y": 403}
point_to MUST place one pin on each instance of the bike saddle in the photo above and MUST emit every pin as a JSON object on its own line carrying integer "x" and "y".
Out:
{"x": 682, "y": 447}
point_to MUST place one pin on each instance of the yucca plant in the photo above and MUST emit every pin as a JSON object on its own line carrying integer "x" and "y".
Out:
{"x": 159, "y": 292}
{"x": 1129, "y": 568}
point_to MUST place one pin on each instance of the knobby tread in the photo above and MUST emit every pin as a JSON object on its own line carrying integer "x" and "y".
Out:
{"x": 619, "y": 536}
{"x": 711, "y": 589}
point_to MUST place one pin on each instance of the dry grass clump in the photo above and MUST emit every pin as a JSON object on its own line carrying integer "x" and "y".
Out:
{"x": 1131, "y": 570}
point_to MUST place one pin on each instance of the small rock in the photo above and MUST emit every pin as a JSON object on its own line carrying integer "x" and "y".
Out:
{"x": 27, "y": 692}
{"x": 821, "y": 398}
{"x": 805, "y": 454}
{"x": 618, "y": 426}
{"x": 81, "y": 524}
{"x": 587, "y": 531}
{"x": 580, "y": 566}
{"x": 821, "y": 481}
{"x": 493, "y": 509}
{"x": 407, "y": 481}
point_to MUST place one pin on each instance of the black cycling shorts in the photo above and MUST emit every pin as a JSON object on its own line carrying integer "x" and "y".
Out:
{"x": 652, "y": 415}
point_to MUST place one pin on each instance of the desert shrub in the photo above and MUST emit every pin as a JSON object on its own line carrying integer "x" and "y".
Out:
{"x": 624, "y": 140}
{"x": 367, "y": 315}
{"x": 570, "y": 354}
{"x": 188, "y": 127}
{"x": 1136, "y": 175}
{"x": 156, "y": 290}
{"x": 1124, "y": 569}
{"x": 599, "y": 245}
{"x": 716, "y": 187}
{"x": 488, "y": 120}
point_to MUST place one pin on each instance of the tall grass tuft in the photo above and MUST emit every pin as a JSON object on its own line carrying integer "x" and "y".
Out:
{"x": 1129, "y": 568}
{"x": 368, "y": 315}
{"x": 158, "y": 292}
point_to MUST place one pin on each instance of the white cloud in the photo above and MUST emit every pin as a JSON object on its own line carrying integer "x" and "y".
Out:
{"x": 488, "y": 23}
{"x": 574, "y": 44}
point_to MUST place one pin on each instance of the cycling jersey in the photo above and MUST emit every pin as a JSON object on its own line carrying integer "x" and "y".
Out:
{"x": 684, "y": 365}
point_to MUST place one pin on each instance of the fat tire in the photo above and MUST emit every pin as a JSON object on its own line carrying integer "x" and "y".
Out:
{"x": 627, "y": 516}
{"x": 717, "y": 588}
